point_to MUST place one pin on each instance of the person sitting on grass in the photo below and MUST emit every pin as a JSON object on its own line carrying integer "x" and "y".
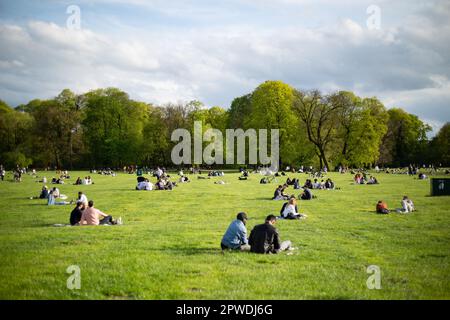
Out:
{"x": 422, "y": 176}
{"x": 382, "y": 207}
{"x": 306, "y": 194}
{"x": 235, "y": 237}
{"x": 51, "y": 200}
{"x": 372, "y": 180}
{"x": 79, "y": 181}
{"x": 75, "y": 215}
{"x": 279, "y": 194}
{"x": 407, "y": 205}
{"x": 44, "y": 193}
{"x": 265, "y": 238}
{"x": 144, "y": 185}
{"x": 82, "y": 199}
{"x": 91, "y": 216}
{"x": 329, "y": 184}
{"x": 308, "y": 184}
{"x": 184, "y": 179}
{"x": 290, "y": 210}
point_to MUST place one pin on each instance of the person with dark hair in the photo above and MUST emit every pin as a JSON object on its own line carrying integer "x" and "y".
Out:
{"x": 91, "y": 216}
{"x": 264, "y": 238}
{"x": 235, "y": 237}
{"x": 296, "y": 184}
{"x": 306, "y": 195}
{"x": 279, "y": 194}
{"x": 308, "y": 184}
{"x": 82, "y": 199}
{"x": 382, "y": 207}
{"x": 44, "y": 193}
{"x": 75, "y": 215}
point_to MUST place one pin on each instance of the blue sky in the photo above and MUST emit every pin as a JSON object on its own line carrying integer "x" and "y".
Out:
{"x": 214, "y": 51}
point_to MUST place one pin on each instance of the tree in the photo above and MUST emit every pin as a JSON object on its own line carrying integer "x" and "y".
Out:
{"x": 239, "y": 112}
{"x": 113, "y": 127}
{"x": 405, "y": 140}
{"x": 440, "y": 147}
{"x": 15, "y": 136}
{"x": 319, "y": 116}
{"x": 271, "y": 108}
{"x": 362, "y": 123}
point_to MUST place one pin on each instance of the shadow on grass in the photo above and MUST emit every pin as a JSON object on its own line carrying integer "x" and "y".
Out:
{"x": 187, "y": 251}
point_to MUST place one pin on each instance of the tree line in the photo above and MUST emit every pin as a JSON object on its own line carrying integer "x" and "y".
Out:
{"x": 105, "y": 128}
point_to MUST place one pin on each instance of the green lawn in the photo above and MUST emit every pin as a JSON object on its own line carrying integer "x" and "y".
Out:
{"x": 168, "y": 247}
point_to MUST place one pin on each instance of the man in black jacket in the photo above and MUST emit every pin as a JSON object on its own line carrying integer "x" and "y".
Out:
{"x": 264, "y": 238}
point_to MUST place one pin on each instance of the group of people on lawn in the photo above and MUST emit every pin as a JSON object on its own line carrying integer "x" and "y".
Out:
{"x": 407, "y": 206}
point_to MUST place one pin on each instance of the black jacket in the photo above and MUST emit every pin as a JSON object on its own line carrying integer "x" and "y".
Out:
{"x": 75, "y": 216}
{"x": 264, "y": 238}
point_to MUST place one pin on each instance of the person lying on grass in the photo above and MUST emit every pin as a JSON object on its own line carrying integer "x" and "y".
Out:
{"x": 264, "y": 238}
{"x": 382, "y": 207}
{"x": 91, "y": 216}
{"x": 290, "y": 210}
{"x": 235, "y": 238}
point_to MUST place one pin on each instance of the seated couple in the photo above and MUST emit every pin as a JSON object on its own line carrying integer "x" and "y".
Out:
{"x": 165, "y": 184}
{"x": 216, "y": 173}
{"x": 293, "y": 182}
{"x": 57, "y": 181}
{"x": 89, "y": 215}
{"x": 407, "y": 206}
{"x": 264, "y": 238}
{"x": 87, "y": 181}
{"x": 289, "y": 210}
{"x": 372, "y": 180}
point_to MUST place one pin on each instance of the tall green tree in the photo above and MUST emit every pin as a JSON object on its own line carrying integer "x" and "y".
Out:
{"x": 362, "y": 123}
{"x": 405, "y": 140}
{"x": 113, "y": 126}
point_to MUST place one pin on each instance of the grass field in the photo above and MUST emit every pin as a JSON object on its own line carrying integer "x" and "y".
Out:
{"x": 168, "y": 247}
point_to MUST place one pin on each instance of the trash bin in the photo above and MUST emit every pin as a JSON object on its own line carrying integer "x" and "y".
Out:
{"x": 440, "y": 187}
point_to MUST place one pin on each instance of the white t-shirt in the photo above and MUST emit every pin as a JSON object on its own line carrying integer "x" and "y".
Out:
{"x": 83, "y": 199}
{"x": 290, "y": 208}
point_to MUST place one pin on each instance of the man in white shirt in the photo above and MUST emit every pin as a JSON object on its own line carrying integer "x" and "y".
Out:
{"x": 82, "y": 199}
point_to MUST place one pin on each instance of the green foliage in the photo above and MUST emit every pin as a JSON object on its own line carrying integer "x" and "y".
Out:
{"x": 113, "y": 127}
{"x": 406, "y": 139}
{"x": 440, "y": 146}
{"x": 106, "y": 128}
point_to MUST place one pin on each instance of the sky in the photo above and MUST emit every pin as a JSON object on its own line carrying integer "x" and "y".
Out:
{"x": 214, "y": 51}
